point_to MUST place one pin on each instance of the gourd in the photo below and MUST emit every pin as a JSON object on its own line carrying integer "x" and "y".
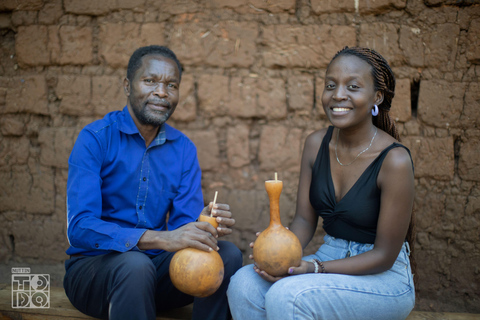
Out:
{"x": 196, "y": 272}
{"x": 276, "y": 248}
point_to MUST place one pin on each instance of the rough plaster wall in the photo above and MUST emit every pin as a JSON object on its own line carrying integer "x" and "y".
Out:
{"x": 250, "y": 95}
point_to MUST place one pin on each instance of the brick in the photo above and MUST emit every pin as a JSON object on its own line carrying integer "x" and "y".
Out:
{"x": 362, "y": 6}
{"x": 411, "y": 44}
{"x": 51, "y": 12}
{"x": 473, "y": 202}
{"x": 34, "y": 182}
{"x": 381, "y": 6}
{"x": 76, "y": 45}
{"x": 217, "y": 4}
{"x": 224, "y": 44}
{"x": 383, "y": 38}
{"x": 473, "y": 47}
{"x": 439, "y": 167}
{"x": 107, "y": 94}
{"x": 12, "y": 125}
{"x": 135, "y": 5}
{"x": 175, "y": 7}
{"x": 187, "y": 106}
{"x": 207, "y": 148}
{"x": 319, "y": 87}
{"x": 24, "y": 18}
{"x": 56, "y": 146}
{"x": 469, "y": 160}
{"x": 304, "y": 46}
{"x": 470, "y": 116}
{"x": 5, "y": 21}
{"x": 152, "y": 33}
{"x": 320, "y": 6}
{"x": 279, "y": 149}
{"x": 32, "y": 39}
{"x": 212, "y": 102}
{"x": 119, "y": 41}
{"x": 243, "y": 97}
{"x": 75, "y": 93}
{"x": 300, "y": 93}
{"x": 26, "y": 94}
{"x": 440, "y": 103}
{"x": 9, "y": 5}
{"x": 89, "y": 7}
{"x": 401, "y": 104}
{"x": 39, "y": 239}
{"x": 274, "y": 6}
{"x": 238, "y": 146}
{"x": 441, "y": 46}
{"x": 14, "y": 151}
{"x": 271, "y": 98}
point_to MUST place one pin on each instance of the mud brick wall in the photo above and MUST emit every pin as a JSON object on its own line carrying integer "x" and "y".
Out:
{"x": 253, "y": 76}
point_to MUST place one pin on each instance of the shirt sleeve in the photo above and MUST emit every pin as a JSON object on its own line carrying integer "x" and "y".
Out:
{"x": 188, "y": 203}
{"x": 85, "y": 227}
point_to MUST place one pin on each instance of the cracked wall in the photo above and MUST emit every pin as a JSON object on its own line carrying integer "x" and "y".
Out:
{"x": 250, "y": 94}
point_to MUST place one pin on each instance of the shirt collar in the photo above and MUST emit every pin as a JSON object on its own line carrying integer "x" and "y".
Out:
{"x": 127, "y": 126}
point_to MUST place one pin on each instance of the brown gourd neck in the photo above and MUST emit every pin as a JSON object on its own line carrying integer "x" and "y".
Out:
{"x": 274, "y": 189}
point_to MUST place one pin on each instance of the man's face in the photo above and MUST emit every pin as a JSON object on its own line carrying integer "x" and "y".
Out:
{"x": 153, "y": 92}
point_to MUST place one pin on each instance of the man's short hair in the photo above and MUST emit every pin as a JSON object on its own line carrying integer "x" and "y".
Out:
{"x": 135, "y": 61}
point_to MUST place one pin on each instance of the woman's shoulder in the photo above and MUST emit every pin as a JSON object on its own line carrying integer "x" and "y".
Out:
{"x": 398, "y": 158}
{"x": 316, "y": 137}
{"x": 312, "y": 145}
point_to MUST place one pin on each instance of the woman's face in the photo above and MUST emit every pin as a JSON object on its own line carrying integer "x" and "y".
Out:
{"x": 349, "y": 93}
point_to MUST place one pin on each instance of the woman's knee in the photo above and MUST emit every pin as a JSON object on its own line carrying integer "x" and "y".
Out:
{"x": 241, "y": 282}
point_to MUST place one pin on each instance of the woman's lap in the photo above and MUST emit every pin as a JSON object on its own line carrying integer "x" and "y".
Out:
{"x": 388, "y": 295}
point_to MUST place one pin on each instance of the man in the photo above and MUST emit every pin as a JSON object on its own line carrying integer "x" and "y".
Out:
{"x": 133, "y": 197}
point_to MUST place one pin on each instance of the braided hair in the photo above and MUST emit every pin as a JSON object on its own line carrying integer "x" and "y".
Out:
{"x": 384, "y": 81}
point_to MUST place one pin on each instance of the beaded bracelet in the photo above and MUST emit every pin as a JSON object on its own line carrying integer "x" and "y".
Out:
{"x": 321, "y": 265}
{"x": 315, "y": 264}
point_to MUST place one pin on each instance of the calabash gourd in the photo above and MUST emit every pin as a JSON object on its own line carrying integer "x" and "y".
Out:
{"x": 276, "y": 248}
{"x": 196, "y": 272}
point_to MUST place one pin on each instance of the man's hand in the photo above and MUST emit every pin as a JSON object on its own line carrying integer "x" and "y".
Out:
{"x": 199, "y": 235}
{"x": 223, "y": 216}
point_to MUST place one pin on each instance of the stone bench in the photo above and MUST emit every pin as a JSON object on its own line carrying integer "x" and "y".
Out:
{"x": 61, "y": 308}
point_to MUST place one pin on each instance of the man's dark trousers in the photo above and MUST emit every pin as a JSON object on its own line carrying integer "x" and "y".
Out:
{"x": 133, "y": 285}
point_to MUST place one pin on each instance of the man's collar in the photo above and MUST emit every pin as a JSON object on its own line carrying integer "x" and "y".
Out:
{"x": 127, "y": 126}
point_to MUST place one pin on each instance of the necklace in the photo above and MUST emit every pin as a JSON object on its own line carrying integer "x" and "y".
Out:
{"x": 358, "y": 155}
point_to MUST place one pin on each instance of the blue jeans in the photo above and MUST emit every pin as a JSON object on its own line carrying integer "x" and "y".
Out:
{"x": 387, "y": 295}
{"x": 133, "y": 285}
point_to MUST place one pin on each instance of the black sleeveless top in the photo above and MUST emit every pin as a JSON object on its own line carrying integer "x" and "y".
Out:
{"x": 355, "y": 216}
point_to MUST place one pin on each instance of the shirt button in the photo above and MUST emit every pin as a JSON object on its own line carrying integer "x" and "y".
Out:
{"x": 144, "y": 178}
{"x": 96, "y": 245}
{"x": 140, "y": 207}
{"x": 127, "y": 244}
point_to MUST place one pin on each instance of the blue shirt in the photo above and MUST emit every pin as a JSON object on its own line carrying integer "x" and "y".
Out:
{"x": 118, "y": 188}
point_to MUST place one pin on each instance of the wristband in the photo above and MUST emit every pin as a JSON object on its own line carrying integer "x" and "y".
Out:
{"x": 315, "y": 264}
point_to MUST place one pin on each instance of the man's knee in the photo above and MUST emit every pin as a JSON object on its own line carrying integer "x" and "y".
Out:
{"x": 134, "y": 266}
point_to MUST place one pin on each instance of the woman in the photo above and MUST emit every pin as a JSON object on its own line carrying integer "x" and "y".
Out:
{"x": 359, "y": 179}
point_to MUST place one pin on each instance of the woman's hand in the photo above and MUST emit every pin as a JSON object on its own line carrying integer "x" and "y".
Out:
{"x": 305, "y": 267}
{"x": 265, "y": 276}
{"x": 251, "y": 246}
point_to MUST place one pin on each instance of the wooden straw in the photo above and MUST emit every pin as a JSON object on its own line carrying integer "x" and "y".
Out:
{"x": 214, "y": 200}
